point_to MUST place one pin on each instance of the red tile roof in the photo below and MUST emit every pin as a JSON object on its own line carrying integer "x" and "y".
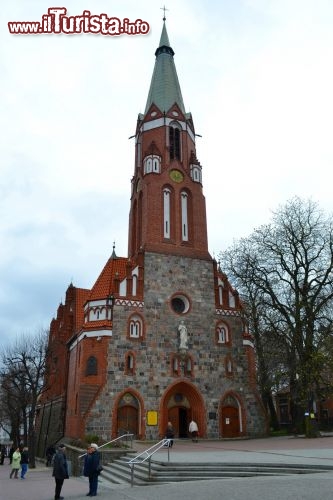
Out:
{"x": 98, "y": 325}
{"x": 104, "y": 285}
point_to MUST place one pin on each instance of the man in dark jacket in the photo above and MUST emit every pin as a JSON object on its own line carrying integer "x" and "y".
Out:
{"x": 92, "y": 468}
{"x": 60, "y": 469}
{"x": 24, "y": 461}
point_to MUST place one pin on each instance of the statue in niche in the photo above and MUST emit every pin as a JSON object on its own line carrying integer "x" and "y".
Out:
{"x": 183, "y": 335}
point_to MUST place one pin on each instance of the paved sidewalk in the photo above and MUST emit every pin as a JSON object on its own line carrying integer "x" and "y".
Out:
{"x": 39, "y": 483}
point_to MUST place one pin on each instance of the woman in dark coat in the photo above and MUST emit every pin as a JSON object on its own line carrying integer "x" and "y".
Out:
{"x": 170, "y": 433}
{"x": 60, "y": 469}
{"x": 92, "y": 468}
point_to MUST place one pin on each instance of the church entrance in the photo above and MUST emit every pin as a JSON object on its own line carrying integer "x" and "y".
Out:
{"x": 128, "y": 415}
{"x": 179, "y": 417}
{"x": 230, "y": 420}
{"x": 181, "y": 403}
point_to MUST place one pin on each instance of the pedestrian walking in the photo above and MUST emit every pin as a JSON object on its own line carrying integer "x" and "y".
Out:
{"x": 24, "y": 462}
{"x": 16, "y": 459}
{"x": 92, "y": 468}
{"x": 193, "y": 430}
{"x": 170, "y": 433}
{"x": 60, "y": 469}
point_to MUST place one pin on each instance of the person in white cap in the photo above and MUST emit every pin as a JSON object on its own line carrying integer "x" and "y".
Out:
{"x": 92, "y": 468}
{"x": 193, "y": 430}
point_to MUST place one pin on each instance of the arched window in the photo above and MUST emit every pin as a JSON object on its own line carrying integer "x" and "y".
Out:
{"x": 222, "y": 334}
{"x": 188, "y": 366}
{"x": 135, "y": 327}
{"x": 184, "y": 208}
{"x": 196, "y": 173}
{"x": 91, "y": 366}
{"x": 174, "y": 141}
{"x": 175, "y": 366}
{"x": 134, "y": 284}
{"x": 166, "y": 212}
{"x": 152, "y": 163}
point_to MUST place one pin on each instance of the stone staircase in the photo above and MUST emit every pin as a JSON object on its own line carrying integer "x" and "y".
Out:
{"x": 119, "y": 471}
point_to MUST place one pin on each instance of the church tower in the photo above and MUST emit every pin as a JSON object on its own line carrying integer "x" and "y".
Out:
{"x": 168, "y": 212}
{"x": 162, "y": 335}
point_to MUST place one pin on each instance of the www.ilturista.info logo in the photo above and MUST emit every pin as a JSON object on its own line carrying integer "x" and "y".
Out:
{"x": 56, "y": 22}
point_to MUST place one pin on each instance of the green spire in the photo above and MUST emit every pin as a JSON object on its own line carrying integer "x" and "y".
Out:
{"x": 164, "y": 37}
{"x": 164, "y": 87}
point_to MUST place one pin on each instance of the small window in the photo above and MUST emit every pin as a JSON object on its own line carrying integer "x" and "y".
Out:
{"x": 196, "y": 173}
{"x": 129, "y": 364}
{"x": 174, "y": 142}
{"x": 135, "y": 327}
{"x": 152, "y": 163}
{"x": 220, "y": 295}
{"x": 91, "y": 366}
{"x": 188, "y": 366}
{"x": 228, "y": 366}
{"x": 222, "y": 334}
{"x": 175, "y": 366}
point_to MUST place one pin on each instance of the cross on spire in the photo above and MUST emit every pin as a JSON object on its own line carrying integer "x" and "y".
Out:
{"x": 164, "y": 9}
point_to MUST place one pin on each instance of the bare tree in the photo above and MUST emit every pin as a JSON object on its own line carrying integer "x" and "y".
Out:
{"x": 22, "y": 377}
{"x": 285, "y": 270}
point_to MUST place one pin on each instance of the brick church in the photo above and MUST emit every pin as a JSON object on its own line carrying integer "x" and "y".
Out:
{"x": 161, "y": 336}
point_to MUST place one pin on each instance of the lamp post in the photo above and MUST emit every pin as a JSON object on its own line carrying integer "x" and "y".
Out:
{"x": 109, "y": 304}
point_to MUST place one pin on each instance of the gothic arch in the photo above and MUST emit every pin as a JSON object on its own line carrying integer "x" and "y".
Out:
{"x": 180, "y": 403}
{"x": 232, "y": 418}
{"x": 168, "y": 210}
{"x": 128, "y": 408}
{"x": 186, "y": 211}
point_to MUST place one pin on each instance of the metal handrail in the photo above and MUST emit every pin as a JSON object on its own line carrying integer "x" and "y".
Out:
{"x": 112, "y": 441}
{"x": 146, "y": 455}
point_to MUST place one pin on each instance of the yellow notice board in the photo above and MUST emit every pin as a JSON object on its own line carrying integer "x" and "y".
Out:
{"x": 152, "y": 417}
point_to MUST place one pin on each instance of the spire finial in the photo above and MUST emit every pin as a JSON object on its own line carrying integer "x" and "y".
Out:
{"x": 114, "y": 256}
{"x": 164, "y": 9}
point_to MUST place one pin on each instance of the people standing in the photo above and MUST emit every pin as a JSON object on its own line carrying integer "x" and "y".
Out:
{"x": 193, "y": 430}
{"x": 24, "y": 462}
{"x": 92, "y": 468}
{"x": 11, "y": 451}
{"x": 3, "y": 454}
{"x": 49, "y": 455}
{"x": 16, "y": 459}
{"x": 60, "y": 469}
{"x": 170, "y": 433}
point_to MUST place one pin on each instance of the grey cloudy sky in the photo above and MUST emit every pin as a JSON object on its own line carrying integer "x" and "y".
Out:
{"x": 256, "y": 75}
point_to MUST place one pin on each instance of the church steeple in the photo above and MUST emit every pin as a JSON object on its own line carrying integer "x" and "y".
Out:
{"x": 164, "y": 88}
{"x": 168, "y": 211}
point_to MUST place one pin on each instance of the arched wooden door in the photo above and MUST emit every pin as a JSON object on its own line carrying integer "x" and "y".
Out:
{"x": 230, "y": 422}
{"x": 128, "y": 415}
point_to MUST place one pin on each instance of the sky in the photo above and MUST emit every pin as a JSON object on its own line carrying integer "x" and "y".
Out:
{"x": 257, "y": 76}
